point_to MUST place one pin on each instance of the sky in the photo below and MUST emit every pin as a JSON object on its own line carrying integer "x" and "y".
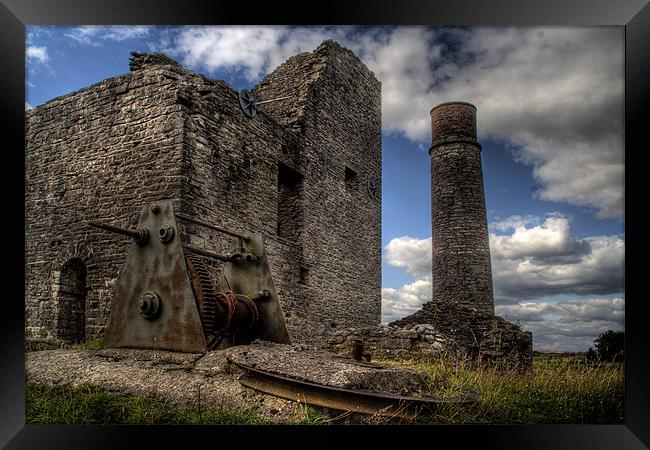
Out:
{"x": 550, "y": 120}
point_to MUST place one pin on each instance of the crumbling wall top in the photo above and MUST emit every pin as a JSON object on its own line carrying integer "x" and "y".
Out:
{"x": 297, "y": 77}
{"x": 139, "y": 61}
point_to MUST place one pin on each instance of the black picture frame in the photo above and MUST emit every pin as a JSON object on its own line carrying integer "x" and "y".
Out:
{"x": 16, "y": 14}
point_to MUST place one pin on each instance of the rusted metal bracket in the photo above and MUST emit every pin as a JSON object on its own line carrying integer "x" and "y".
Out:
{"x": 166, "y": 298}
{"x": 187, "y": 218}
{"x": 354, "y": 400}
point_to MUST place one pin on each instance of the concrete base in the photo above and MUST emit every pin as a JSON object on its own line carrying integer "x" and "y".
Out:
{"x": 178, "y": 378}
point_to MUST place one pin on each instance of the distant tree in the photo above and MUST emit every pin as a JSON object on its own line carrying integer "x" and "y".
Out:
{"x": 610, "y": 345}
{"x": 591, "y": 355}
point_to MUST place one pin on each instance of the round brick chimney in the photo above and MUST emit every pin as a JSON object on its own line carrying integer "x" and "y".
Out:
{"x": 453, "y": 121}
{"x": 461, "y": 267}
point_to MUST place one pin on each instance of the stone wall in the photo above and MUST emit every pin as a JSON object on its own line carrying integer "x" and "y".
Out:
{"x": 163, "y": 131}
{"x": 335, "y": 113}
{"x": 422, "y": 338}
{"x": 488, "y": 341}
{"x": 100, "y": 152}
{"x": 476, "y": 335}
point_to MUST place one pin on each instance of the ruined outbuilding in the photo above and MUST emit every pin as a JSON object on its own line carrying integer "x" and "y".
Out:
{"x": 304, "y": 172}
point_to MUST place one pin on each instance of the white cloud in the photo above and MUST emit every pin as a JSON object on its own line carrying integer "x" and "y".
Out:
{"x": 549, "y": 241}
{"x": 570, "y": 325}
{"x": 28, "y": 106}
{"x": 94, "y": 35}
{"x": 513, "y": 222}
{"x": 37, "y": 54}
{"x": 410, "y": 254}
{"x": 554, "y": 95}
{"x": 547, "y": 260}
{"x": 398, "y": 303}
{"x": 253, "y": 50}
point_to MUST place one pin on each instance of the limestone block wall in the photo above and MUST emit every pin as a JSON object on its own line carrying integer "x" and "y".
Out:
{"x": 335, "y": 112}
{"x": 97, "y": 153}
{"x": 231, "y": 178}
{"x": 162, "y": 131}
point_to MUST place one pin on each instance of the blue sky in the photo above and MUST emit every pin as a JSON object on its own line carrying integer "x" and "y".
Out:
{"x": 550, "y": 119}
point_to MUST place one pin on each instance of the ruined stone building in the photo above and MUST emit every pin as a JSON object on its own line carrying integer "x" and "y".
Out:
{"x": 305, "y": 172}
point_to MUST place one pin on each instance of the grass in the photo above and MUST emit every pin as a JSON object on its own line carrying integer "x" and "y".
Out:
{"x": 560, "y": 389}
{"x": 90, "y": 345}
{"x": 87, "y": 404}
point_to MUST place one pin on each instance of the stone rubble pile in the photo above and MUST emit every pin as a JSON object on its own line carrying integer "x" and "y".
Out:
{"x": 424, "y": 338}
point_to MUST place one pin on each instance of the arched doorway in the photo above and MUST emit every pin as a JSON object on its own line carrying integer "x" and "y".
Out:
{"x": 71, "y": 296}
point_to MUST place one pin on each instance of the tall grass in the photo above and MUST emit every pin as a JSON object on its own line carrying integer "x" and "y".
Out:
{"x": 87, "y": 404}
{"x": 558, "y": 390}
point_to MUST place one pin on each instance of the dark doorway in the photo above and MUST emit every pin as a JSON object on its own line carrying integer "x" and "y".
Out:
{"x": 71, "y": 294}
{"x": 290, "y": 208}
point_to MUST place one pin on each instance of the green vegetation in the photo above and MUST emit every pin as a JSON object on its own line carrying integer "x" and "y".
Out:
{"x": 560, "y": 389}
{"x": 610, "y": 346}
{"x": 91, "y": 405}
{"x": 90, "y": 345}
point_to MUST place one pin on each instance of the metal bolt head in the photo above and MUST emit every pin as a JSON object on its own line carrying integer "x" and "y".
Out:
{"x": 155, "y": 209}
{"x": 150, "y": 305}
{"x": 166, "y": 234}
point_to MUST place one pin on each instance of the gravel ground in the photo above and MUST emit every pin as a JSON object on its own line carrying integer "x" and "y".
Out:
{"x": 172, "y": 377}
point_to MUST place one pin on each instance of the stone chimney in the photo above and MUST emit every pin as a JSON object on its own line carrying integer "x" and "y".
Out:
{"x": 462, "y": 273}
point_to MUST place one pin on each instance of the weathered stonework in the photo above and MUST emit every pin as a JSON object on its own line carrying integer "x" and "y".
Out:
{"x": 475, "y": 335}
{"x": 421, "y": 338}
{"x": 462, "y": 306}
{"x": 163, "y": 131}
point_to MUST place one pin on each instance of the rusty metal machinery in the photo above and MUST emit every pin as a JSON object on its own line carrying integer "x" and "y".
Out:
{"x": 361, "y": 401}
{"x": 166, "y": 297}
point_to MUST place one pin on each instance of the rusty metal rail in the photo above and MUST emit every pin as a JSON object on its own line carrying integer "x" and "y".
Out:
{"x": 212, "y": 227}
{"x": 208, "y": 253}
{"x": 140, "y": 235}
{"x": 354, "y": 400}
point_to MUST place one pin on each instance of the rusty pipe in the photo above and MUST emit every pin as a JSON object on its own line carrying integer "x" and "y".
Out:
{"x": 140, "y": 235}
{"x": 357, "y": 349}
{"x": 208, "y": 253}
{"x": 212, "y": 227}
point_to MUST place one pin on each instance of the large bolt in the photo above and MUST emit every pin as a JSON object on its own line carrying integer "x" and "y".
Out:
{"x": 150, "y": 305}
{"x": 166, "y": 234}
{"x": 142, "y": 236}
